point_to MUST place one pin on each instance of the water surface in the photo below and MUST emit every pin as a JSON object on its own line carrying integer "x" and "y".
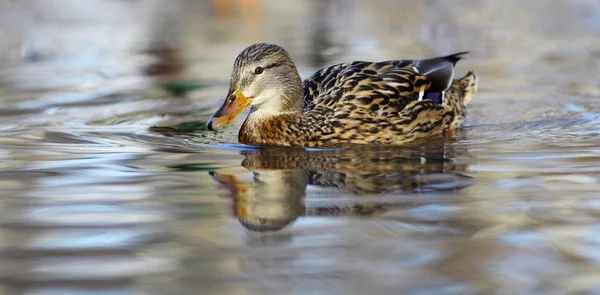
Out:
{"x": 96, "y": 200}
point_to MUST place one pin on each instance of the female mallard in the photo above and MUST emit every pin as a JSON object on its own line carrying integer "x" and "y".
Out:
{"x": 388, "y": 102}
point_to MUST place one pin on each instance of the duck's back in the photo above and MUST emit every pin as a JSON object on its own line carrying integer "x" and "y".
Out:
{"x": 366, "y": 84}
{"x": 389, "y": 101}
{"x": 373, "y": 85}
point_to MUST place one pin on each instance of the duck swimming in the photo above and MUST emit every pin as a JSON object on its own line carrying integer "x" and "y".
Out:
{"x": 388, "y": 102}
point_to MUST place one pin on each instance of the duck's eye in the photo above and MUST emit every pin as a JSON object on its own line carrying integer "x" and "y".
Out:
{"x": 259, "y": 70}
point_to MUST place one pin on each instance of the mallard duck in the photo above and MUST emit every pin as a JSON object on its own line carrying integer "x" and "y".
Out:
{"x": 388, "y": 102}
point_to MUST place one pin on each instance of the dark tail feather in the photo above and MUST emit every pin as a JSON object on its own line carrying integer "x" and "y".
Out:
{"x": 439, "y": 70}
{"x": 454, "y": 58}
{"x": 469, "y": 84}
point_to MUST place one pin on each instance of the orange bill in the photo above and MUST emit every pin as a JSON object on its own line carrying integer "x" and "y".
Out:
{"x": 235, "y": 103}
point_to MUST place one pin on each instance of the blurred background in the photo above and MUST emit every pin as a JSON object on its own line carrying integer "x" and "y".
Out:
{"x": 111, "y": 184}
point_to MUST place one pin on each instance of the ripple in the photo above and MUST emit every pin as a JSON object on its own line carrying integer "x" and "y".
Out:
{"x": 111, "y": 185}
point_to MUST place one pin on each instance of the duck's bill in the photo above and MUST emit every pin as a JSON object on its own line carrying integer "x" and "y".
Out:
{"x": 235, "y": 103}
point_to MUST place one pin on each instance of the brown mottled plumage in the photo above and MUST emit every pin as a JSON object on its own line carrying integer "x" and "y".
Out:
{"x": 389, "y": 102}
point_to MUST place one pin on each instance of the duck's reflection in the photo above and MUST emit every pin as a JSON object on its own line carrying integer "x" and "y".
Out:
{"x": 271, "y": 196}
{"x": 269, "y": 202}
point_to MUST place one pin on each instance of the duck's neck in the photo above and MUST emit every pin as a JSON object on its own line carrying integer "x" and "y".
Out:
{"x": 276, "y": 106}
{"x": 268, "y": 123}
{"x": 285, "y": 98}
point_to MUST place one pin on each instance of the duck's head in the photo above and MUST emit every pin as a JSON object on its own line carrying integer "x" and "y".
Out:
{"x": 264, "y": 77}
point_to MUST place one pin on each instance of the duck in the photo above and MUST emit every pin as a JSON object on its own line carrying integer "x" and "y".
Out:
{"x": 378, "y": 103}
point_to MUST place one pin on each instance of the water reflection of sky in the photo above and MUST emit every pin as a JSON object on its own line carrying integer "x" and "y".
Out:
{"x": 93, "y": 202}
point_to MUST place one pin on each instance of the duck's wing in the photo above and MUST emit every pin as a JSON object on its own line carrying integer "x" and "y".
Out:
{"x": 321, "y": 82}
{"x": 376, "y": 85}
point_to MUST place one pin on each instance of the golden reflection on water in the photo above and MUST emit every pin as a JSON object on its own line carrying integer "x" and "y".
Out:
{"x": 273, "y": 197}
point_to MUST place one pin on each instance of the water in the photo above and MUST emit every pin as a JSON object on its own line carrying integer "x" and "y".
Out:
{"x": 96, "y": 201}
